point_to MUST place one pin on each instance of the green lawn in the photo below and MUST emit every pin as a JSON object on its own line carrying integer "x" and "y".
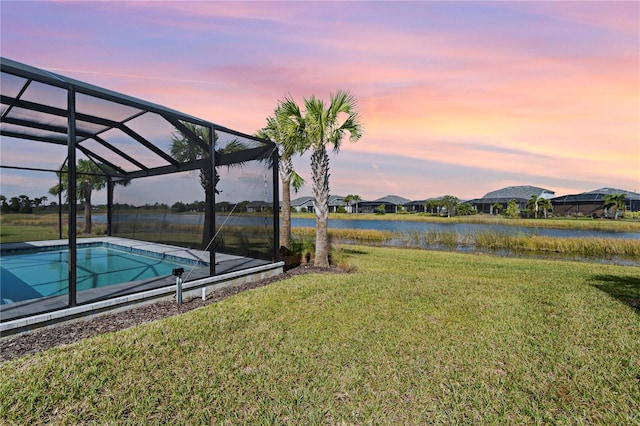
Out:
{"x": 412, "y": 337}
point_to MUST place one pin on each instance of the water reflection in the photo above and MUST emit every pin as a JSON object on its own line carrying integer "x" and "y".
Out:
{"x": 472, "y": 248}
{"x": 461, "y": 228}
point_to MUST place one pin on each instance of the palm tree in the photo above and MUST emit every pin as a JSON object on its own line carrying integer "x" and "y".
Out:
{"x": 450, "y": 202}
{"x": 431, "y": 205}
{"x": 615, "y": 202}
{"x": 497, "y": 207}
{"x": 184, "y": 149}
{"x": 320, "y": 126}
{"x": 545, "y": 205}
{"x": 26, "y": 204}
{"x": 90, "y": 176}
{"x": 282, "y": 128}
{"x": 532, "y": 205}
{"x": 38, "y": 201}
{"x": 352, "y": 198}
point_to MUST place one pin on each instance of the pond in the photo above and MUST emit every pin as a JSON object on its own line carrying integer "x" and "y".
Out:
{"x": 405, "y": 228}
{"x": 460, "y": 228}
{"x": 407, "y": 234}
{"x": 383, "y": 225}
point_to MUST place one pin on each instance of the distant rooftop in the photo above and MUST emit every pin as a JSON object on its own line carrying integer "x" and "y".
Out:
{"x": 518, "y": 192}
{"x": 595, "y": 196}
{"x": 393, "y": 199}
{"x": 609, "y": 191}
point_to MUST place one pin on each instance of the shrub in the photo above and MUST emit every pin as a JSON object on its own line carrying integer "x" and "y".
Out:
{"x": 465, "y": 209}
{"x": 99, "y": 229}
{"x": 512, "y": 211}
{"x": 301, "y": 250}
{"x": 632, "y": 215}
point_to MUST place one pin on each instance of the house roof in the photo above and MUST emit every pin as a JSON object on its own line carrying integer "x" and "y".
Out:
{"x": 610, "y": 191}
{"x": 517, "y": 192}
{"x": 392, "y": 199}
{"x": 301, "y": 201}
{"x": 306, "y": 200}
{"x": 421, "y": 202}
{"x": 595, "y": 196}
{"x": 336, "y": 200}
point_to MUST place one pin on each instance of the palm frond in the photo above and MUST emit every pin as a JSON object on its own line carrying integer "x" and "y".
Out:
{"x": 296, "y": 181}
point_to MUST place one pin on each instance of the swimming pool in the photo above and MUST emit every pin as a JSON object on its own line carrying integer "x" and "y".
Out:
{"x": 32, "y": 274}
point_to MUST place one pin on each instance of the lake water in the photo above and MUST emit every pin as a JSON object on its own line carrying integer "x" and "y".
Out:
{"x": 384, "y": 225}
{"x": 468, "y": 229}
{"x": 405, "y": 227}
{"x": 460, "y": 228}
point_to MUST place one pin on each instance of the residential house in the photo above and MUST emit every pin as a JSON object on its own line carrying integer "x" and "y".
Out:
{"x": 335, "y": 202}
{"x": 592, "y": 203}
{"x": 305, "y": 204}
{"x": 391, "y": 203}
{"x": 419, "y": 206}
{"x": 258, "y": 206}
{"x": 302, "y": 204}
{"x": 521, "y": 194}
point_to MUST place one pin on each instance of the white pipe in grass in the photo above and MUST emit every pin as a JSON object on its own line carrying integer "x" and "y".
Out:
{"x": 179, "y": 290}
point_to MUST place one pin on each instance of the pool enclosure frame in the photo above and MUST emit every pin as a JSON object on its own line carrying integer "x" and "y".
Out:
{"x": 40, "y": 122}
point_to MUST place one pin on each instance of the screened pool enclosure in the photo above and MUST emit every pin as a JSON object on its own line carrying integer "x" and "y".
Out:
{"x": 137, "y": 175}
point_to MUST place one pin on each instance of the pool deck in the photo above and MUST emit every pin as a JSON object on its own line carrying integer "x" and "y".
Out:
{"x": 47, "y": 311}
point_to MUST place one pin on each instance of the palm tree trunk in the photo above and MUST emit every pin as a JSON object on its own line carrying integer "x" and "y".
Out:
{"x": 87, "y": 210}
{"x": 285, "y": 229}
{"x": 320, "y": 177}
{"x": 209, "y": 211}
{"x": 209, "y": 187}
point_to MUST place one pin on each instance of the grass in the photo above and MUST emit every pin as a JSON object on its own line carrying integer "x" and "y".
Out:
{"x": 592, "y": 247}
{"x": 487, "y": 240}
{"x": 22, "y": 233}
{"x": 412, "y": 337}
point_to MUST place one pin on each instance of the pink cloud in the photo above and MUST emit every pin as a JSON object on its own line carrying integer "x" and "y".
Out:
{"x": 613, "y": 15}
{"x": 504, "y": 98}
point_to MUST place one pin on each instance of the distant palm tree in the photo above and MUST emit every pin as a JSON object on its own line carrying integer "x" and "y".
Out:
{"x": 40, "y": 201}
{"x": 545, "y": 205}
{"x": 532, "y": 205}
{"x": 90, "y": 176}
{"x": 450, "y": 202}
{"x": 282, "y": 128}
{"x": 497, "y": 207}
{"x": 431, "y": 205}
{"x": 352, "y": 198}
{"x": 615, "y": 202}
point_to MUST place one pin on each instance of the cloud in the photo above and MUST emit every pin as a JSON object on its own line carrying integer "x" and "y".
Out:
{"x": 462, "y": 97}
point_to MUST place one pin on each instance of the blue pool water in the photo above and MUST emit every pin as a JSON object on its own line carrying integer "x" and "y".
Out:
{"x": 31, "y": 275}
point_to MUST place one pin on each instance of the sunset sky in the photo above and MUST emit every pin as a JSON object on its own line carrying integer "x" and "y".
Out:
{"x": 458, "y": 98}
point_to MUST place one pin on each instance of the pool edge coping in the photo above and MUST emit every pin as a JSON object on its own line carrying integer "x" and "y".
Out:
{"x": 26, "y": 324}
